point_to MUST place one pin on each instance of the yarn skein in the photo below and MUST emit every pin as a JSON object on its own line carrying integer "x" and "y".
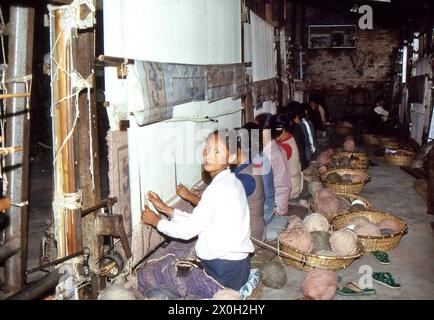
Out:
{"x": 315, "y": 222}
{"x": 389, "y": 224}
{"x": 344, "y": 242}
{"x": 298, "y": 239}
{"x": 367, "y": 230}
{"x": 320, "y": 284}
{"x": 294, "y": 222}
{"x": 321, "y": 241}
{"x": 273, "y": 275}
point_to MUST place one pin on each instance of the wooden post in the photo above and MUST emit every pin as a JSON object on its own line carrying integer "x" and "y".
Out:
{"x": 67, "y": 206}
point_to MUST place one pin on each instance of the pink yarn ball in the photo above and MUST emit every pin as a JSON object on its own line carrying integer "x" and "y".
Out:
{"x": 324, "y": 158}
{"x": 298, "y": 239}
{"x": 359, "y": 221}
{"x": 389, "y": 224}
{"x": 320, "y": 284}
{"x": 368, "y": 230}
{"x": 357, "y": 178}
{"x": 329, "y": 206}
{"x": 294, "y": 222}
{"x": 323, "y": 193}
{"x": 344, "y": 242}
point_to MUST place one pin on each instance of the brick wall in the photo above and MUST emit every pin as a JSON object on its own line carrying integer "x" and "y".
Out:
{"x": 332, "y": 72}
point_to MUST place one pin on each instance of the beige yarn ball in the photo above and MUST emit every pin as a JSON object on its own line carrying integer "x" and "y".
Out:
{"x": 344, "y": 242}
{"x": 389, "y": 224}
{"x": 298, "y": 239}
{"x": 367, "y": 230}
{"x": 323, "y": 193}
{"x": 323, "y": 158}
{"x": 358, "y": 221}
{"x": 315, "y": 222}
{"x": 320, "y": 284}
{"x": 227, "y": 294}
{"x": 349, "y": 145}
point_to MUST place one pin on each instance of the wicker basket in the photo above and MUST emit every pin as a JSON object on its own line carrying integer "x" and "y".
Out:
{"x": 389, "y": 142}
{"x": 381, "y": 243}
{"x": 354, "y": 188}
{"x": 353, "y": 197}
{"x": 362, "y": 163}
{"x": 371, "y": 139}
{"x": 401, "y": 160}
{"x": 343, "y": 130}
{"x": 311, "y": 261}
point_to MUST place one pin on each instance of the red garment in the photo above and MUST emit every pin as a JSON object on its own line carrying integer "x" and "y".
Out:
{"x": 286, "y": 147}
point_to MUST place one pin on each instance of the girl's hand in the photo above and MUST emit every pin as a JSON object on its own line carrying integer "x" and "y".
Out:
{"x": 197, "y": 193}
{"x": 149, "y": 217}
{"x": 183, "y": 192}
{"x": 159, "y": 204}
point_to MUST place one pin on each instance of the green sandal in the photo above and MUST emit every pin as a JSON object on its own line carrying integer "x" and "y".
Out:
{"x": 385, "y": 278}
{"x": 352, "y": 289}
{"x": 382, "y": 257}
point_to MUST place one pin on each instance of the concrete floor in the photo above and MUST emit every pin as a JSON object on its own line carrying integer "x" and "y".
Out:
{"x": 412, "y": 263}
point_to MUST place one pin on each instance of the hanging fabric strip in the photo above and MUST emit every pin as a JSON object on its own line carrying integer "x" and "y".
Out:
{"x": 155, "y": 88}
{"x": 225, "y": 81}
{"x": 264, "y": 90}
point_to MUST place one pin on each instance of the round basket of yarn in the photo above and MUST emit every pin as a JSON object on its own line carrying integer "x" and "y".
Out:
{"x": 273, "y": 275}
{"x": 227, "y": 294}
{"x": 344, "y": 242}
{"x": 298, "y": 239}
{"x": 321, "y": 241}
{"x": 320, "y": 284}
{"x": 315, "y": 222}
{"x": 367, "y": 230}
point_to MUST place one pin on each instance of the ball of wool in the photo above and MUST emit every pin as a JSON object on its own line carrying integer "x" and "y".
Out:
{"x": 298, "y": 239}
{"x": 323, "y": 193}
{"x": 389, "y": 224}
{"x": 358, "y": 221}
{"x": 323, "y": 158}
{"x": 321, "y": 241}
{"x": 116, "y": 292}
{"x": 329, "y": 206}
{"x": 368, "y": 229}
{"x": 334, "y": 178}
{"x": 357, "y": 178}
{"x": 349, "y": 145}
{"x": 294, "y": 222}
{"x": 320, "y": 284}
{"x": 329, "y": 151}
{"x": 227, "y": 294}
{"x": 322, "y": 170}
{"x": 273, "y": 275}
{"x": 344, "y": 242}
{"x": 315, "y": 222}
{"x": 314, "y": 186}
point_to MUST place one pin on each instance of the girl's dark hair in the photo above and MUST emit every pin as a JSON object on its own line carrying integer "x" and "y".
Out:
{"x": 301, "y": 111}
{"x": 253, "y": 140}
{"x": 268, "y": 121}
{"x": 283, "y": 121}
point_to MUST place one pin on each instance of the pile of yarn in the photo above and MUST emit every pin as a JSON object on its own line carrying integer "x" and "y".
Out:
{"x": 321, "y": 241}
{"x": 344, "y": 242}
{"x": 326, "y": 202}
{"x": 299, "y": 239}
{"x": 367, "y": 230}
{"x": 293, "y": 223}
{"x": 320, "y": 284}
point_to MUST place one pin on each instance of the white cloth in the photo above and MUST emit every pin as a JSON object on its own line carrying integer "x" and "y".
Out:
{"x": 309, "y": 132}
{"x": 382, "y": 112}
{"x": 221, "y": 221}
